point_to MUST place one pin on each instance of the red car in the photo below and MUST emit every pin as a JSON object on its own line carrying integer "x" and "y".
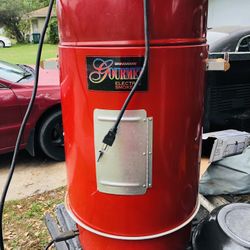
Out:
{"x": 44, "y": 129}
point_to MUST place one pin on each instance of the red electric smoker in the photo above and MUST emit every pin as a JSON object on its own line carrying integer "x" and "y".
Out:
{"x": 132, "y": 163}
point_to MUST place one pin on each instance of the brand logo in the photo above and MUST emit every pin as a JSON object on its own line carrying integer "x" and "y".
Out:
{"x": 115, "y": 73}
{"x": 104, "y": 69}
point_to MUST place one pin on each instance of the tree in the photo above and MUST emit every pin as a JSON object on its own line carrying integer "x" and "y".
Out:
{"x": 11, "y": 13}
{"x": 53, "y": 37}
{"x": 35, "y": 4}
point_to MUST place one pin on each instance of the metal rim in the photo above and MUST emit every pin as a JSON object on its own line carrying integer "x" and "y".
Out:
{"x": 132, "y": 238}
{"x": 238, "y": 44}
{"x": 57, "y": 138}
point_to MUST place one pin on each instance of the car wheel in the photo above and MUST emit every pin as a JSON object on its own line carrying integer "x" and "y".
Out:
{"x": 2, "y": 44}
{"x": 50, "y": 136}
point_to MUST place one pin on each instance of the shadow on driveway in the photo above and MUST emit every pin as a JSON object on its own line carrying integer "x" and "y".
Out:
{"x": 32, "y": 175}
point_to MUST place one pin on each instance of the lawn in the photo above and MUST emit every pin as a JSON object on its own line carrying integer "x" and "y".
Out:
{"x": 24, "y": 227}
{"x": 26, "y": 53}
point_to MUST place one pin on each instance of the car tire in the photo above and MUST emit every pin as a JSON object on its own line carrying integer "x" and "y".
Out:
{"x": 2, "y": 44}
{"x": 50, "y": 136}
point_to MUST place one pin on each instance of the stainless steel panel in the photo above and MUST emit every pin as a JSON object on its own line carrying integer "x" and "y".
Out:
{"x": 150, "y": 150}
{"x": 126, "y": 167}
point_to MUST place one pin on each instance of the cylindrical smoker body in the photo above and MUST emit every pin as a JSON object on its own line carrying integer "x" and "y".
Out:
{"x": 101, "y": 53}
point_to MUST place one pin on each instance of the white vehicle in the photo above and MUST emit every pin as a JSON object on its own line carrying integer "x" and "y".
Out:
{"x": 4, "y": 42}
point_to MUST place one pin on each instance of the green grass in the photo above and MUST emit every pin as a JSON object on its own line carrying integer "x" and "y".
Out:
{"x": 26, "y": 53}
{"x": 24, "y": 226}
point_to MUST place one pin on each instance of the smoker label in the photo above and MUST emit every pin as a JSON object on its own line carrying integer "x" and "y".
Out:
{"x": 115, "y": 73}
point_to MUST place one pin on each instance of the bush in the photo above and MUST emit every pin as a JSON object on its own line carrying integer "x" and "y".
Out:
{"x": 52, "y": 34}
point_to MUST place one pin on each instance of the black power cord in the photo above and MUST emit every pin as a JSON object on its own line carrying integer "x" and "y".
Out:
{"x": 49, "y": 245}
{"x": 109, "y": 138}
{"x": 24, "y": 121}
{"x": 62, "y": 237}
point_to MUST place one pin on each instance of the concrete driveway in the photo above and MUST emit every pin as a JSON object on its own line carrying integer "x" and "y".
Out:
{"x": 32, "y": 175}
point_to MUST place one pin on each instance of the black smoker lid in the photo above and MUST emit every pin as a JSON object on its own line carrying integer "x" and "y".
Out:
{"x": 234, "y": 219}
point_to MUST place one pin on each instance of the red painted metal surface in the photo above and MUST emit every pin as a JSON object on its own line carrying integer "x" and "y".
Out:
{"x": 174, "y": 99}
{"x": 120, "y": 22}
{"x": 14, "y": 99}
{"x": 173, "y": 242}
{"x": 10, "y": 118}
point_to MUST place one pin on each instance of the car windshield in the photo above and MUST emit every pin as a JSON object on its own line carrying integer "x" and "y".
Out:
{"x": 12, "y": 72}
